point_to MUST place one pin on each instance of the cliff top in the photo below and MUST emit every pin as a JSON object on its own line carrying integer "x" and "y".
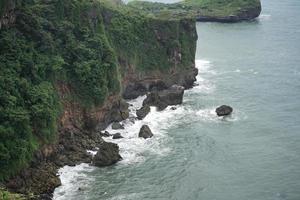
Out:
{"x": 211, "y": 10}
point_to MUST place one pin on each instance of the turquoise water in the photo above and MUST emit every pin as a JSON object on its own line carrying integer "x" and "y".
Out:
{"x": 252, "y": 155}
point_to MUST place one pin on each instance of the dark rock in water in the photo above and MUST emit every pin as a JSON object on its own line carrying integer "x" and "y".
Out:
{"x": 143, "y": 112}
{"x": 105, "y": 134}
{"x": 145, "y": 132}
{"x": 173, "y": 108}
{"x": 117, "y": 136}
{"x": 108, "y": 154}
{"x": 224, "y": 110}
{"x": 116, "y": 126}
{"x": 161, "y": 99}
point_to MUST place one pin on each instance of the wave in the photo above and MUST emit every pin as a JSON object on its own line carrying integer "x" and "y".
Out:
{"x": 265, "y": 17}
{"x": 135, "y": 150}
{"x": 71, "y": 178}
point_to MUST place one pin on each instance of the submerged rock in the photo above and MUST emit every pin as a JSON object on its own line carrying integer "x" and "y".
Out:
{"x": 116, "y": 126}
{"x": 145, "y": 132}
{"x": 224, "y": 110}
{"x": 117, "y": 136}
{"x": 108, "y": 154}
{"x": 143, "y": 112}
{"x": 164, "y": 98}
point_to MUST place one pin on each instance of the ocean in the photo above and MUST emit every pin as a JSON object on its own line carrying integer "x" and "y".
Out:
{"x": 252, "y": 155}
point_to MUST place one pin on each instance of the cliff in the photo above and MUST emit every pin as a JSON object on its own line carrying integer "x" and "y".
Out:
{"x": 64, "y": 68}
{"x": 205, "y": 10}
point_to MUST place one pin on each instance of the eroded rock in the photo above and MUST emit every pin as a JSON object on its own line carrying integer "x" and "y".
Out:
{"x": 145, "y": 132}
{"x": 164, "y": 98}
{"x": 143, "y": 112}
{"x": 117, "y": 136}
{"x": 108, "y": 154}
{"x": 224, "y": 110}
{"x": 116, "y": 126}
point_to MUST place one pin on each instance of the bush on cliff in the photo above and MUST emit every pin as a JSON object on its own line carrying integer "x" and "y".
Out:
{"x": 51, "y": 42}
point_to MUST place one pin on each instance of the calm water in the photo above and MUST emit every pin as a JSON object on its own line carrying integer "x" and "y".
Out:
{"x": 253, "y": 155}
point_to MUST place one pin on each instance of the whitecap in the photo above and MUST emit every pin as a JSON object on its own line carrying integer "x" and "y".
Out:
{"x": 72, "y": 178}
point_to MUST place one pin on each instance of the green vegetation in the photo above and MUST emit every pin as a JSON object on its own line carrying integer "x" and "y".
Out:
{"x": 5, "y": 195}
{"x": 86, "y": 46}
{"x": 51, "y": 43}
{"x": 202, "y": 8}
{"x": 148, "y": 42}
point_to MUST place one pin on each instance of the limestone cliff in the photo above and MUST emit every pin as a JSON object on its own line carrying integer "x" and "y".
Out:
{"x": 64, "y": 67}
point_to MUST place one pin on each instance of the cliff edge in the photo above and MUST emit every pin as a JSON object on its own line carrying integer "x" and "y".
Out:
{"x": 226, "y": 11}
{"x": 65, "y": 67}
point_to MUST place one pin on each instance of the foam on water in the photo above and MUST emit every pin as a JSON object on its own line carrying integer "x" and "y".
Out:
{"x": 135, "y": 150}
{"x": 265, "y": 17}
{"x": 203, "y": 84}
{"x": 70, "y": 178}
{"x": 209, "y": 115}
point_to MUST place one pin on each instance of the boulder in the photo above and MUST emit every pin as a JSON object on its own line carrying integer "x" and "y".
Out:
{"x": 117, "y": 136}
{"x": 143, "y": 112}
{"x": 107, "y": 155}
{"x": 105, "y": 134}
{"x": 134, "y": 90}
{"x": 116, "y": 126}
{"x": 224, "y": 110}
{"x": 161, "y": 99}
{"x": 145, "y": 132}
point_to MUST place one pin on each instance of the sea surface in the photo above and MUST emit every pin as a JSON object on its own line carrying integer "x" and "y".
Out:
{"x": 194, "y": 155}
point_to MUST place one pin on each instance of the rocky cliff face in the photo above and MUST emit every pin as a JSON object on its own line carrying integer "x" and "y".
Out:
{"x": 7, "y": 15}
{"x": 72, "y": 66}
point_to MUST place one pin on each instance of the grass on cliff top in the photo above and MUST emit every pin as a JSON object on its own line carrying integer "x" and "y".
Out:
{"x": 221, "y": 7}
{"x": 5, "y": 195}
{"x": 190, "y": 8}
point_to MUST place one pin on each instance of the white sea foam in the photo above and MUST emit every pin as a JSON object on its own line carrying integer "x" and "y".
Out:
{"x": 72, "y": 178}
{"x": 203, "y": 84}
{"x": 134, "y": 149}
{"x": 264, "y": 17}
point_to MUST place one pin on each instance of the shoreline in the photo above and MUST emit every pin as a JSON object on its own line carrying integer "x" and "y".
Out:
{"x": 70, "y": 150}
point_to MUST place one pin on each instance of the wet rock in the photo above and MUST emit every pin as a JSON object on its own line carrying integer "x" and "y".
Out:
{"x": 117, "y": 136}
{"x": 224, "y": 110}
{"x": 145, "y": 132}
{"x": 105, "y": 134}
{"x": 134, "y": 90}
{"x": 143, "y": 112}
{"x": 116, "y": 126}
{"x": 161, "y": 99}
{"x": 173, "y": 108}
{"x": 107, "y": 155}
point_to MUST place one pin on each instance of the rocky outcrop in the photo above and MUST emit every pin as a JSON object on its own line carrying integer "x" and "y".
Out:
{"x": 117, "y": 136}
{"x": 171, "y": 43}
{"x": 116, "y": 126}
{"x": 228, "y": 11}
{"x": 143, "y": 112}
{"x": 248, "y": 14}
{"x": 224, "y": 110}
{"x": 108, "y": 154}
{"x": 140, "y": 87}
{"x": 145, "y": 132}
{"x": 41, "y": 177}
{"x": 164, "y": 98}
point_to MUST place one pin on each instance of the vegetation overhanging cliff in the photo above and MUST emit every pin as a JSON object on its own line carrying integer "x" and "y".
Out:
{"x": 66, "y": 63}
